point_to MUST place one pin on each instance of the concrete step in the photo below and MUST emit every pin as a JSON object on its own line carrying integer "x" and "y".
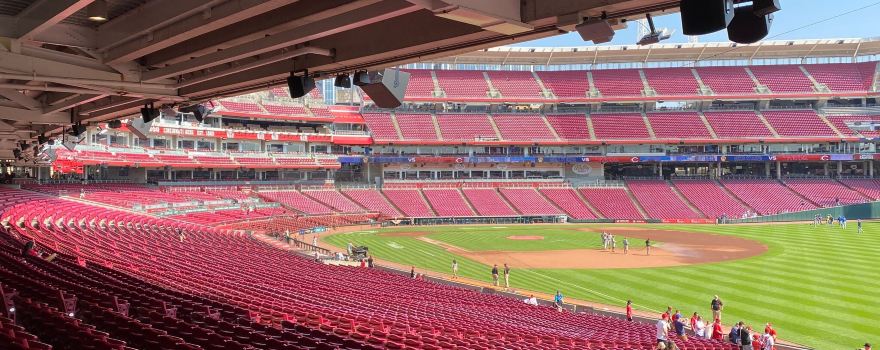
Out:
{"x": 708, "y": 126}
{"x": 767, "y": 124}
{"x": 685, "y": 200}
{"x": 648, "y": 125}
{"x": 396, "y": 126}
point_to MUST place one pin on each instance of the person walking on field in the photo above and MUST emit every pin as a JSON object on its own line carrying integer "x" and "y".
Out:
{"x": 625, "y": 246}
{"x": 495, "y": 275}
{"x": 454, "y": 269}
{"x": 506, "y": 276}
{"x": 648, "y": 246}
{"x": 613, "y": 242}
{"x": 717, "y": 306}
{"x": 629, "y": 310}
{"x": 859, "y": 225}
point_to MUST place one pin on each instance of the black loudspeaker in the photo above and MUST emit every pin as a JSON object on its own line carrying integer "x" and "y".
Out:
{"x": 42, "y": 139}
{"x": 766, "y": 7}
{"x": 361, "y": 78}
{"x": 77, "y": 130}
{"x": 596, "y": 30}
{"x": 300, "y": 86}
{"x": 342, "y": 81}
{"x": 148, "y": 113}
{"x": 199, "y": 111}
{"x": 747, "y": 27}
{"x": 699, "y": 17}
{"x": 114, "y": 124}
{"x": 386, "y": 89}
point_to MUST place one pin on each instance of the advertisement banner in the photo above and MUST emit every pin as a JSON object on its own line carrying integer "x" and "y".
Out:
{"x": 351, "y": 160}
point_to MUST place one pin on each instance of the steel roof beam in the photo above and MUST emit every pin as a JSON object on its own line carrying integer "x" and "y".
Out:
{"x": 163, "y": 23}
{"x": 43, "y": 14}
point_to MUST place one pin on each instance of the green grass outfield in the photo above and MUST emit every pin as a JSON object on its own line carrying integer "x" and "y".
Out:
{"x": 817, "y": 285}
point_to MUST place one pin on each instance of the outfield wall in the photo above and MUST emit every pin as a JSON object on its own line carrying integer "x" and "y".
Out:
{"x": 852, "y": 212}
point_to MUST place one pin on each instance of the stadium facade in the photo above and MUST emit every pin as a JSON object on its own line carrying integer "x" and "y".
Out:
{"x": 653, "y": 126}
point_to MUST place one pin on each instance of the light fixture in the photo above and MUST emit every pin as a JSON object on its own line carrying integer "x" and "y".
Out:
{"x": 97, "y": 11}
{"x": 654, "y": 36}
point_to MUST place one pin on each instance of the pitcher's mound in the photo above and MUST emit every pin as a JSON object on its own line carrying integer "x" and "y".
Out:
{"x": 526, "y": 238}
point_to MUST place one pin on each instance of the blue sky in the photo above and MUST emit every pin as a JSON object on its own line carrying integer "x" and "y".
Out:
{"x": 794, "y": 14}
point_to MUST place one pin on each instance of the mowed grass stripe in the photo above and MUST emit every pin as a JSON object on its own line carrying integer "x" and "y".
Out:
{"x": 497, "y": 239}
{"x": 693, "y": 301}
{"x": 815, "y": 284}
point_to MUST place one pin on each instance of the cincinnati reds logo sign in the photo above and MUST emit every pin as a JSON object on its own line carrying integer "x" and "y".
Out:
{"x": 582, "y": 169}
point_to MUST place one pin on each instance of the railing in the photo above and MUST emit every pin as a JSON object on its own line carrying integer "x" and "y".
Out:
{"x": 351, "y": 132}
{"x": 852, "y": 212}
{"x": 82, "y": 182}
{"x": 745, "y": 177}
{"x": 735, "y": 107}
{"x": 603, "y": 184}
{"x": 690, "y": 177}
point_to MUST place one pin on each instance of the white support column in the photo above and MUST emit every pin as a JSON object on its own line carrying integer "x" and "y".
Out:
{"x": 839, "y": 167}
{"x": 778, "y": 170}
{"x": 767, "y": 169}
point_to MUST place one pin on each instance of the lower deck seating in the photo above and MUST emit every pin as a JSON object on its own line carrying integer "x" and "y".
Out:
{"x": 224, "y": 290}
{"x": 487, "y": 202}
{"x": 867, "y": 187}
{"x": 613, "y": 203}
{"x": 710, "y": 198}
{"x": 372, "y": 200}
{"x": 767, "y": 196}
{"x": 529, "y": 201}
{"x": 448, "y": 202}
{"x": 410, "y": 202}
{"x": 335, "y": 200}
{"x": 660, "y": 201}
{"x": 297, "y": 201}
{"x": 567, "y": 199}
{"x": 825, "y": 192}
